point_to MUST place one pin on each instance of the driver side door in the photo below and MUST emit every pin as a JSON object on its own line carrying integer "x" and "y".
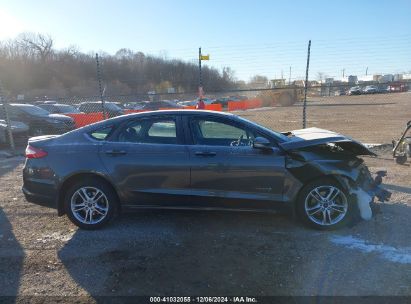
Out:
{"x": 226, "y": 171}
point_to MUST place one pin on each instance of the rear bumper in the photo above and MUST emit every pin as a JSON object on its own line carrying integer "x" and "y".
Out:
{"x": 40, "y": 198}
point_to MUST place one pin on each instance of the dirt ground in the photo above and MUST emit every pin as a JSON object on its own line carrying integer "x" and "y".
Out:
{"x": 219, "y": 253}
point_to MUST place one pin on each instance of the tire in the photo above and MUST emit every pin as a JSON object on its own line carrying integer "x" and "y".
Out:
{"x": 401, "y": 159}
{"x": 100, "y": 211}
{"x": 313, "y": 209}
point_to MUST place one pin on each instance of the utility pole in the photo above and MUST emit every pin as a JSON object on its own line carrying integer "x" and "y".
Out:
{"x": 366, "y": 71}
{"x": 100, "y": 88}
{"x": 306, "y": 86}
{"x": 343, "y": 71}
{"x": 200, "y": 80}
{"x": 289, "y": 78}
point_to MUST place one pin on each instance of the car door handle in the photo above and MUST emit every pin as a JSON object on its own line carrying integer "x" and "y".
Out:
{"x": 116, "y": 152}
{"x": 205, "y": 153}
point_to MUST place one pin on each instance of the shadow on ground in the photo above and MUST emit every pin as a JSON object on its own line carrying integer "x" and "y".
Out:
{"x": 185, "y": 253}
{"x": 11, "y": 260}
{"x": 203, "y": 253}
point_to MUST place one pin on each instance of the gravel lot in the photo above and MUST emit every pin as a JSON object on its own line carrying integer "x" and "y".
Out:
{"x": 220, "y": 253}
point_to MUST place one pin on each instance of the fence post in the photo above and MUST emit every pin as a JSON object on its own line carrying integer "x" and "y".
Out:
{"x": 200, "y": 76}
{"x": 305, "y": 86}
{"x": 7, "y": 118}
{"x": 100, "y": 88}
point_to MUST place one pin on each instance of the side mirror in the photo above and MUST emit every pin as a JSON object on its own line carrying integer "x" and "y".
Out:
{"x": 262, "y": 143}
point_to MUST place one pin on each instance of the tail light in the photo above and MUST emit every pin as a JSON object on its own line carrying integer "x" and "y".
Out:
{"x": 32, "y": 152}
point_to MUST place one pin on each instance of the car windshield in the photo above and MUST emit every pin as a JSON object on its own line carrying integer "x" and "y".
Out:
{"x": 280, "y": 137}
{"x": 33, "y": 110}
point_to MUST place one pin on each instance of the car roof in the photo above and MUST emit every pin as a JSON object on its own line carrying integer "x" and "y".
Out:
{"x": 182, "y": 112}
{"x": 122, "y": 118}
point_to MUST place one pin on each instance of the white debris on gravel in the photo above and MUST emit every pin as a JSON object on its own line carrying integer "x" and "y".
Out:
{"x": 56, "y": 236}
{"x": 396, "y": 255}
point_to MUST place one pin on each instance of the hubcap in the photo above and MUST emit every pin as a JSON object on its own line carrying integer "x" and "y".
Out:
{"x": 89, "y": 205}
{"x": 326, "y": 205}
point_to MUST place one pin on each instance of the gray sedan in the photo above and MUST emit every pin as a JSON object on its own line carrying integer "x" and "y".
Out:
{"x": 193, "y": 159}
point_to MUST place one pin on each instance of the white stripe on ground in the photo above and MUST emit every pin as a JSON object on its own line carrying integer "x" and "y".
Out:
{"x": 396, "y": 255}
{"x": 370, "y": 145}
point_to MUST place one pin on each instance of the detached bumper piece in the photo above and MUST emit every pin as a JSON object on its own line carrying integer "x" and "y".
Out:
{"x": 377, "y": 191}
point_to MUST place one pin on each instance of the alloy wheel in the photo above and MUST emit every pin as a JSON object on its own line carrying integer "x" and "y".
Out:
{"x": 326, "y": 205}
{"x": 89, "y": 205}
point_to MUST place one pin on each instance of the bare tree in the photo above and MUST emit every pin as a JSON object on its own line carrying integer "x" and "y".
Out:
{"x": 39, "y": 45}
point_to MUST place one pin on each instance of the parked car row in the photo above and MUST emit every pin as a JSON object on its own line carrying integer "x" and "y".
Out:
{"x": 38, "y": 120}
{"x": 370, "y": 89}
{"x": 221, "y": 100}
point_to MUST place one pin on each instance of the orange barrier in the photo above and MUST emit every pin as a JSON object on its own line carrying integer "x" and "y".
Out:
{"x": 236, "y": 105}
{"x": 211, "y": 107}
{"x": 84, "y": 119}
{"x": 214, "y": 107}
{"x": 254, "y": 103}
{"x": 244, "y": 104}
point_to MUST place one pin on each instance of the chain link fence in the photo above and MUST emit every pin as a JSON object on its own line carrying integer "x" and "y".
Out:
{"x": 276, "y": 108}
{"x": 278, "y": 104}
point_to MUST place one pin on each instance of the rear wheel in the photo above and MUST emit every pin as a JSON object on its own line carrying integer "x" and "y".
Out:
{"x": 90, "y": 204}
{"x": 401, "y": 159}
{"x": 323, "y": 204}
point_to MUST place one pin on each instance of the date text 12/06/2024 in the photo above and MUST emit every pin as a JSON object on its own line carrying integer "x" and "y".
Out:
{"x": 239, "y": 299}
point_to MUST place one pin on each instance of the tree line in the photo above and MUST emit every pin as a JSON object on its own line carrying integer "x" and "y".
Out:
{"x": 32, "y": 66}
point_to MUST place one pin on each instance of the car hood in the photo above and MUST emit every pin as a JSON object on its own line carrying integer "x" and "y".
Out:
{"x": 311, "y": 137}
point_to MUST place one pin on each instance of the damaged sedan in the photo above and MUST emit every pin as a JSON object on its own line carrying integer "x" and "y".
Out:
{"x": 194, "y": 159}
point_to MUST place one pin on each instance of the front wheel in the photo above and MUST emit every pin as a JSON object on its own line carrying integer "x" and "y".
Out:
{"x": 90, "y": 204}
{"x": 324, "y": 205}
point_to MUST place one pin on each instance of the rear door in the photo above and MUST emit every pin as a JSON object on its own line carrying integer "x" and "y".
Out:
{"x": 226, "y": 171}
{"x": 148, "y": 162}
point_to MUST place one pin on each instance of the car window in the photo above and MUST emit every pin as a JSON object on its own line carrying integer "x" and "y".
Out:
{"x": 163, "y": 129}
{"x": 220, "y": 133}
{"x": 101, "y": 134}
{"x": 150, "y": 131}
